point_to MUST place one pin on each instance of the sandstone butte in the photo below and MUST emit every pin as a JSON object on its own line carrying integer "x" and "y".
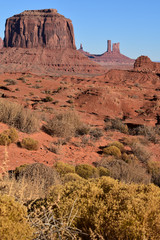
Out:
{"x": 144, "y": 63}
{"x": 42, "y": 41}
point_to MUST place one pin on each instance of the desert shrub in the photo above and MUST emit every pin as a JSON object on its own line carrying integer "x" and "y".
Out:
{"x": 72, "y": 177}
{"x": 128, "y": 158}
{"x": 149, "y": 132}
{"x": 10, "y": 81}
{"x": 65, "y": 125}
{"x": 16, "y": 116}
{"x": 64, "y": 168}
{"x": 48, "y": 99}
{"x": 118, "y": 169}
{"x": 8, "y": 136}
{"x": 95, "y": 133}
{"x": 118, "y": 145}
{"x": 112, "y": 150}
{"x": 116, "y": 124}
{"x": 13, "y": 220}
{"x": 4, "y": 139}
{"x": 154, "y": 170}
{"x": 86, "y": 171}
{"x": 29, "y": 182}
{"x": 12, "y": 134}
{"x": 140, "y": 151}
{"x": 82, "y": 130}
{"x": 103, "y": 171}
{"x": 29, "y": 144}
{"x": 107, "y": 207}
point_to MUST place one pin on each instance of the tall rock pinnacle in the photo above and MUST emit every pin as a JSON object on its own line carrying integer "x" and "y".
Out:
{"x": 39, "y": 28}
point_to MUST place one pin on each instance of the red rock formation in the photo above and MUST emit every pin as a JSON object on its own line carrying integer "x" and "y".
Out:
{"x": 1, "y": 43}
{"x": 109, "y": 46}
{"x": 42, "y": 42}
{"x": 144, "y": 63}
{"x": 115, "y": 48}
{"x": 112, "y": 58}
{"x": 39, "y": 28}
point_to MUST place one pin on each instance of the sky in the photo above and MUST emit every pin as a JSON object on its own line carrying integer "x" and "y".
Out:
{"x": 133, "y": 23}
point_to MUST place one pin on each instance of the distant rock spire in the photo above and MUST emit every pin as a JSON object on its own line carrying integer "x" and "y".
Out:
{"x": 108, "y": 45}
{"x": 81, "y": 47}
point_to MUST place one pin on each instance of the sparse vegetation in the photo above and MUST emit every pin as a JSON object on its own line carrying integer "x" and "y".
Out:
{"x": 29, "y": 144}
{"x": 116, "y": 124}
{"x": 65, "y": 125}
{"x": 16, "y": 116}
{"x": 10, "y": 82}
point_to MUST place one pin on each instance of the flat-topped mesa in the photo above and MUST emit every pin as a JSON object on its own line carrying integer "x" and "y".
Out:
{"x": 39, "y": 28}
{"x": 1, "y": 43}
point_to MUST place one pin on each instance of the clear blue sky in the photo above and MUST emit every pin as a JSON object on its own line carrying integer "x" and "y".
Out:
{"x": 133, "y": 23}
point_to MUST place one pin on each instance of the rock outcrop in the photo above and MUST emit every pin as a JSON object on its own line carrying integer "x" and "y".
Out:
{"x": 112, "y": 57}
{"x": 1, "y": 43}
{"x": 42, "y": 42}
{"x": 144, "y": 63}
{"x": 39, "y": 28}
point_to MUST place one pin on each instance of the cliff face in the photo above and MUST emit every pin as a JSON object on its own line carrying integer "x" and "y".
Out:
{"x": 39, "y": 28}
{"x": 1, "y": 43}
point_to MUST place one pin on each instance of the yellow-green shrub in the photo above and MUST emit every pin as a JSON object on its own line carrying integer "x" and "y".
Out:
{"x": 8, "y": 136}
{"x": 86, "y": 171}
{"x": 64, "y": 168}
{"x": 72, "y": 177}
{"x": 4, "y": 139}
{"x": 103, "y": 171}
{"x": 13, "y": 220}
{"x": 112, "y": 209}
{"x": 118, "y": 145}
{"x": 112, "y": 150}
{"x": 29, "y": 143}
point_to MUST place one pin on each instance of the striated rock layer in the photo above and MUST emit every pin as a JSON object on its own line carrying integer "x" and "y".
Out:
{"x": 39, "y": 28}
{"x": 46, "y": 61}
{"x": 144, "y": 63}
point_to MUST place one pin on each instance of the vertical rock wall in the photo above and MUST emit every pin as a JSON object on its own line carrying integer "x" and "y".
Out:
{"x": 39, "y": 28}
